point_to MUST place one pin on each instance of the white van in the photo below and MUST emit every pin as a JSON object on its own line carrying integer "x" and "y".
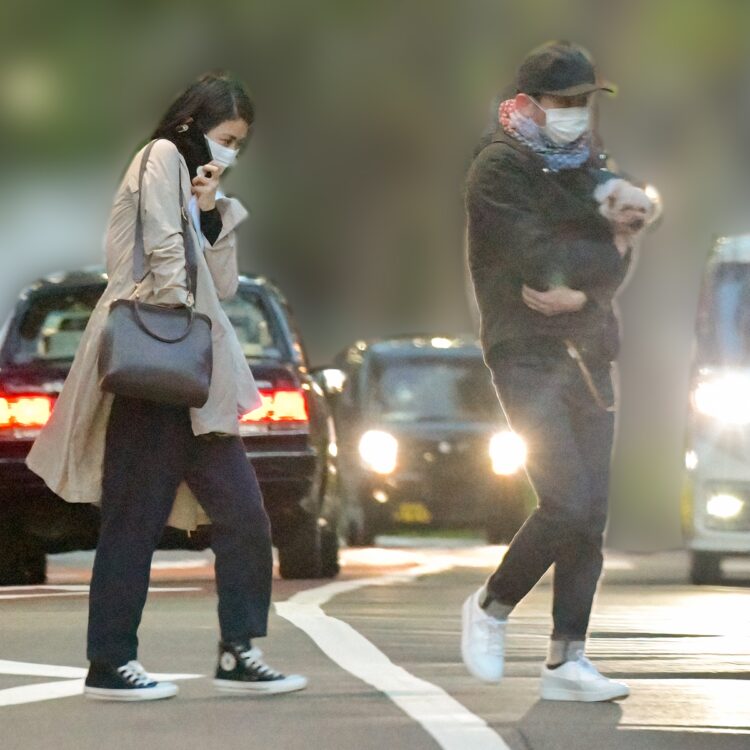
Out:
{"x": 716, "y": 499}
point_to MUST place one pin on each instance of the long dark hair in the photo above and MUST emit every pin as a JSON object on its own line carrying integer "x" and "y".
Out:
{"x": 212, "y": 99}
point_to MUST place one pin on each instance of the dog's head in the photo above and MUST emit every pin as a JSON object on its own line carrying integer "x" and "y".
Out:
{"x": 622, "y": 202}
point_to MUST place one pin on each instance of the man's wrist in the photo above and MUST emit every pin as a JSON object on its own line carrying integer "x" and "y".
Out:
{"x": 622, "y": 243}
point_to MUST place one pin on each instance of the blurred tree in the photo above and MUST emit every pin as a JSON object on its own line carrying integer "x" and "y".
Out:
{"x": 368, "y": 114}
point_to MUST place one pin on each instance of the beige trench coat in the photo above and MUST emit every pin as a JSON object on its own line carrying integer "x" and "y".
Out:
{"x": 68, "y": 454}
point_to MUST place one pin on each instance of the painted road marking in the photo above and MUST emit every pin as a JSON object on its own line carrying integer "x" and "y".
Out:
{"x": 48, "y": 592}
{"x": 45, "y": 691}
{"x": 449, "y": 722}
{"x": 466, "y": 555}
{"x": 29, "y": 669}
{"x": 181, "y": 564}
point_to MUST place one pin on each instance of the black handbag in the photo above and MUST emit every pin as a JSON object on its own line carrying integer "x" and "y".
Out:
{"x": 156, "y": 352}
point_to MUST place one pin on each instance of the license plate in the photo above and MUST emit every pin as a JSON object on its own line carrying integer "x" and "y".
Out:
{"x": 413, "y": 513}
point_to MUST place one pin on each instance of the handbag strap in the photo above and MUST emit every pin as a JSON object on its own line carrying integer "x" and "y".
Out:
{"x": 139, "y": 250}
{"x": 138, "y": 314}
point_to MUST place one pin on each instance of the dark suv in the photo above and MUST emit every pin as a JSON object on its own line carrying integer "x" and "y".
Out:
{"x": 288, "y": 439}
{"x": 422, "y": 440}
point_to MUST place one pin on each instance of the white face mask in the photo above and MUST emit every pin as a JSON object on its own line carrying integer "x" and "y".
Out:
{"x": 566, "y": 124}
{"x": 222, "y": 155}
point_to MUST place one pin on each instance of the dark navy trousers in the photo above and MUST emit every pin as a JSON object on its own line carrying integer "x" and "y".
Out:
{"x": 150, "y": 449}
{"x": 569, "y": 438}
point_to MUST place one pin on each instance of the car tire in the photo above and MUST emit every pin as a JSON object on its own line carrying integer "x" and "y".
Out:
{"x": 502, "y": 529}
{"x": 22, "y": 561}
{"x": 329, "y": 553}
{"x": 705, "y": 568}
{"x": 360, "y": 535}
{"x": 300, "y": 550}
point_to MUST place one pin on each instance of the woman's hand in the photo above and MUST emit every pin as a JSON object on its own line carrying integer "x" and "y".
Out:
{"x": 555, "y": 301}
{"x": 204, "y": 188}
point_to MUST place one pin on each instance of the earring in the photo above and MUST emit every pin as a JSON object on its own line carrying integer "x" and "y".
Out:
{"x": 182, "y": 128}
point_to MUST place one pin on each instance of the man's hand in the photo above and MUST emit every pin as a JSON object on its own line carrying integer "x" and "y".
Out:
{"x": 624, "y": 242}
{"x": 204, "y": 188}
{"x": 555, "y": 301}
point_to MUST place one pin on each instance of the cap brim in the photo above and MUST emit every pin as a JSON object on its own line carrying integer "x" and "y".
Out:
{"x": 584, "y": 88}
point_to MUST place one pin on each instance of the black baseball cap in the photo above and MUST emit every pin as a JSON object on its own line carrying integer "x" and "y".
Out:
{"x": 559, "y": 69}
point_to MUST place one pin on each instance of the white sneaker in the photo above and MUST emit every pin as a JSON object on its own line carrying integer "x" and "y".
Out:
{"x": 579, "y": 680}
{"x": 482, "y": 641}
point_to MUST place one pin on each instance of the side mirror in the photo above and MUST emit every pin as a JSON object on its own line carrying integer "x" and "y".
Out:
{"x": 330, "y": 379}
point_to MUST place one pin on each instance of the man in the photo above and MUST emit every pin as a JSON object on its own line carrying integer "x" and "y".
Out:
{"x": 546, "y": 265}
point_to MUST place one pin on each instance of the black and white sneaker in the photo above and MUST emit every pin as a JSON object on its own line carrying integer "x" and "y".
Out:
{"x": 130, "y": 682}
{"x": 241, "y": 669}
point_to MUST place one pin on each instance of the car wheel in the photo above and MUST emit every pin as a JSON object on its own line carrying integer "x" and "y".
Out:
{"x": 705, "y": 568}
{"x": 360, "y": 535}
{"x": 329, "y": 553}
{"x": 502, "y": 529}
{"x": 369, "y": 529}
{"x": 300, "y": 550}
{"x": 22, "y": 561}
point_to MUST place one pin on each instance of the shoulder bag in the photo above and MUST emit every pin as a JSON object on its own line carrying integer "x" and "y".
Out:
{"x": 156, "y": 352}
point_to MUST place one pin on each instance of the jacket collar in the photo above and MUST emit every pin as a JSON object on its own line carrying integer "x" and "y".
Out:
{"x": 502, "y": 137}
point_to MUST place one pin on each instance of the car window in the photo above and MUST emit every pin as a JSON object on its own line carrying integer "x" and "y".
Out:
{"x": 300, "y": 353}
{"x": 432, "y": 390}
{"x": 724, "y": 315}
{"x": 52, "y": 325}
{"x": 256, "y": 329}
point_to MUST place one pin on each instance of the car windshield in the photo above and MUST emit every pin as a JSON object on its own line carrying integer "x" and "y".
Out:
{"x": 254, "y": 325}
{"x": 724, "y": 316}
{"x": 52, "y": 326}
{"x": 440, "y": 390}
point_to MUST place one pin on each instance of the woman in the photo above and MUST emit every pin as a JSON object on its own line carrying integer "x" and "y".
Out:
{"x": 132, "y": 456}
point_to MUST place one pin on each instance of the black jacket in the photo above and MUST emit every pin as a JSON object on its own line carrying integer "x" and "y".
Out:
{"x": 529, "y": 225}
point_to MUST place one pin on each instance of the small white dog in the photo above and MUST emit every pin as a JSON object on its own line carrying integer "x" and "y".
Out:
{"x": 628, "y": 207}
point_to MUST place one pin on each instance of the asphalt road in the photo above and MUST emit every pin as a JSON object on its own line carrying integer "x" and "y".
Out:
{"x": 380, "y": 646}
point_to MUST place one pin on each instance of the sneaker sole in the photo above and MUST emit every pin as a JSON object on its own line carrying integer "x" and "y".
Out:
{"x": 465, "y": 618}
{"x": 288, "y": 685}
{"x": 137, "y": 694}
{"x": 601, "y": 696}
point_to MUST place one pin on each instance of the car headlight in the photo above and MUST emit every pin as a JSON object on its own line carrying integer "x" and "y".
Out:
{"x": 725, "y": 397}
{"x": 379, "y": 451}
{"x": 334, "y": 380}
{"x": 724, "y": 506}
{"x": 508, "y": 453}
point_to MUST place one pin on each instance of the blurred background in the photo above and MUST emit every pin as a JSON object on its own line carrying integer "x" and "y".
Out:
{"x": 368, "y": 116}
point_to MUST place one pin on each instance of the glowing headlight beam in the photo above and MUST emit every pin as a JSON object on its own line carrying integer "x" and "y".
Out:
{"x": 724, "y": 506}
{"x": 508, "y": 453}
{"x": 379, "y": 451}
{"x": 726, "y": 398}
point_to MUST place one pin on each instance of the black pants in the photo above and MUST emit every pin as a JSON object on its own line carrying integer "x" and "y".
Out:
{"x": 569, "y": 439}
{"x": 149, "y": 450}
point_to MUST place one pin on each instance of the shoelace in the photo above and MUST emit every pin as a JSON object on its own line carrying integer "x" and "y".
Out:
{"x": 494, "y": 632}
{"x": 134, "y": 673}
{"x": 254, "y": 658}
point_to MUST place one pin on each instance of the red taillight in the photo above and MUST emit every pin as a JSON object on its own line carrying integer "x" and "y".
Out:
{"x": 279, "y": 406}
{"x": 24, "y": 411}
